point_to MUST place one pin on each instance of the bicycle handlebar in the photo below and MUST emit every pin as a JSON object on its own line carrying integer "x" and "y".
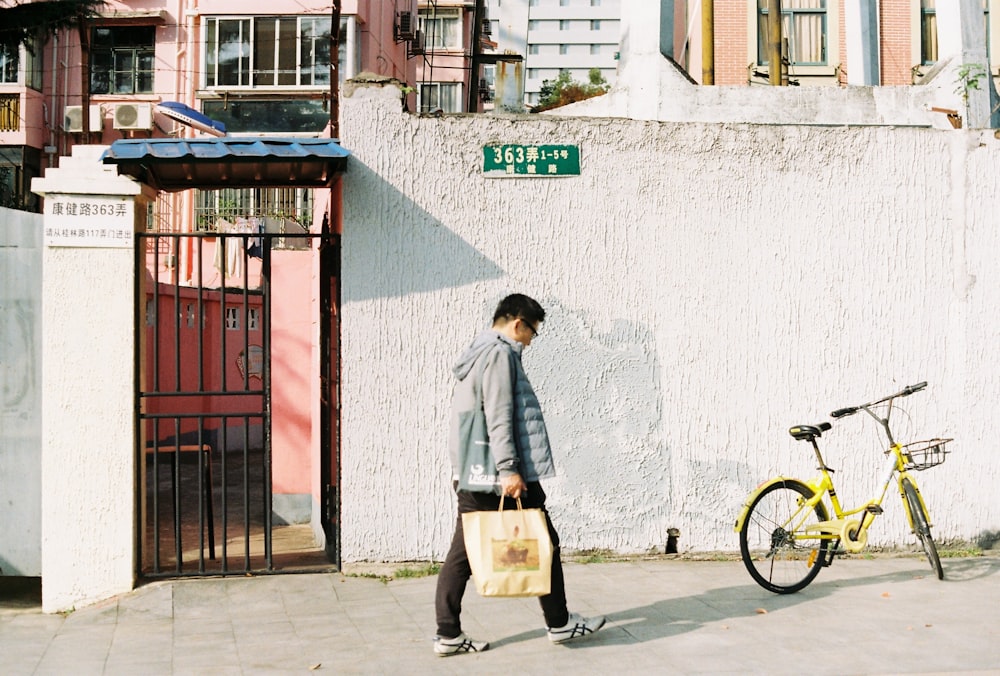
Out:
{"x": 910, "y": 389}
{"x": 841, "y": 412}
{"x": 905, "y": 392}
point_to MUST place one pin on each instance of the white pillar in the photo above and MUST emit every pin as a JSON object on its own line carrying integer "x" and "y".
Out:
{"x": 861, "y": 27}
{"x": 962, "y": 41}
{"x": 513, "y": 21}
{"x": 640, "y": 62}
{"x": 512, "y": 38}
{"x": 88, "y": 379}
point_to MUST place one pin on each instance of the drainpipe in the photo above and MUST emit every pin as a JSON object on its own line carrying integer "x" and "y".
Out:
{"x": 477, "y": 48}
{"x": 53, "y": 115}
{"x": 65, "y": 98}
{"x": 707, "y": 42}
{"x": 187, "y": 84}
{"x": 180, "y": 266}
{"x": 83, "y": 28}
{"x": 335, "y": 69}
{"x": 774, "y": 42}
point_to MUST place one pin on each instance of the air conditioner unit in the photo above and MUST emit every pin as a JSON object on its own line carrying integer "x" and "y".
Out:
{"x": 417, "y": 44}
{"x": 404, "y": 26}
{"x": 73, "y": 118}
{"x": 133, "y": 116}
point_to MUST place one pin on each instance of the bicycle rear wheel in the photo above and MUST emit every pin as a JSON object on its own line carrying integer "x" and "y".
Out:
{"x": 773, "y": 542}
{"x": 922, "y": 527}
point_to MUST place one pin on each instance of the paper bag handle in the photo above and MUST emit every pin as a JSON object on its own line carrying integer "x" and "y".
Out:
{"x": 502, "y": 500}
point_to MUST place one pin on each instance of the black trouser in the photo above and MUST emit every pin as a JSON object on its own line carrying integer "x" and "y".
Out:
{"x": 455, "y": 571}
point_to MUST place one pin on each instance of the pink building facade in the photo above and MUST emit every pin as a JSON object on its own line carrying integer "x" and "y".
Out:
{"x": 259, "y": 67}
{"x": 262, "y": 69}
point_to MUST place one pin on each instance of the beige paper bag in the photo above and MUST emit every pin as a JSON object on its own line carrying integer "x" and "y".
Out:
{"x": 510, "y": 551}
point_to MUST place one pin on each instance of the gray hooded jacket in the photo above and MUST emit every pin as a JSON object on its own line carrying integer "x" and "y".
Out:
{"x": 518, "y": 438}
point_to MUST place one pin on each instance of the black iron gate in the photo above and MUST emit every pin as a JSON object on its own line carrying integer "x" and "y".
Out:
{"x": 205, "y": 401}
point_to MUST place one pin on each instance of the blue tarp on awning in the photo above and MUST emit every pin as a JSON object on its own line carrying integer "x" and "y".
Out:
{"x": 173, "y": 164}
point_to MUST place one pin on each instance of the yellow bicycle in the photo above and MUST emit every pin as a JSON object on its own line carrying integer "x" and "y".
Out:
{"x": 786, "y": 535}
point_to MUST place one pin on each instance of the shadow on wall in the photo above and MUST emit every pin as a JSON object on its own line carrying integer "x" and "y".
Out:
{"x": 988, "y": 539}
{"x": 418, "y": 253}
{"x": 600, "y": 388}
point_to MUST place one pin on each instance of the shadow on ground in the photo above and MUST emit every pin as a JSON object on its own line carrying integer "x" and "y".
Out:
{"x": 18, "y": 594}
{"x": 674, "y": 616}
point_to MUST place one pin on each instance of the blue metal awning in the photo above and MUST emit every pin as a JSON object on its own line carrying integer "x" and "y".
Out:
{"x": 172, "y": 164}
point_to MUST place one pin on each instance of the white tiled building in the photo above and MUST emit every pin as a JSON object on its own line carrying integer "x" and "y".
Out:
{"x": 556, "y": 35}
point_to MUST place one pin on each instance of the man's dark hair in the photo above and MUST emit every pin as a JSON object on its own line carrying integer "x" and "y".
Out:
{"x": 517, "y": 305}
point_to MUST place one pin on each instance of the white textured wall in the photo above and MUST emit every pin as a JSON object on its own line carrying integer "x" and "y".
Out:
{"x": 708, "y": 286}
{"x": 20, "y": 393}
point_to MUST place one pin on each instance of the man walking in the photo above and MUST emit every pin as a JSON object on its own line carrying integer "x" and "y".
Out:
{"x": 520, "y": 446}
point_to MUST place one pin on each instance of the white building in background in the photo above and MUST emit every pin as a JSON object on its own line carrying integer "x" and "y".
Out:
{"x": 557, "y": 35}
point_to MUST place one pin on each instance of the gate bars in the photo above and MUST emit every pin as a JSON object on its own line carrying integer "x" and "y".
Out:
{"x": 203, "y": 401}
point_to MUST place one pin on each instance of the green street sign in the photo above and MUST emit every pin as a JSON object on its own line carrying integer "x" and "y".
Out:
{"x": 507, "y": 161}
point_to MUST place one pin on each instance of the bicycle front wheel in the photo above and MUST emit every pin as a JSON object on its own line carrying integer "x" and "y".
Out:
{"x": 922, "y": 526}
{"x": 775, "y": 547}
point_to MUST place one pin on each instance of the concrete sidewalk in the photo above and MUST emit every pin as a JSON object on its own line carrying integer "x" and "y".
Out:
{"x": 877, "y": 616}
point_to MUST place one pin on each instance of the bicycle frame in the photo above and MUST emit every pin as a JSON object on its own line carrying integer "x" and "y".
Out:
{"x": 789, "y": 529}
{"x": 850, "y": 532}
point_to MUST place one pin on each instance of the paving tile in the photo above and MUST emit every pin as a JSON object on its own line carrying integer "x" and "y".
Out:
{"x": 884, "y": 615}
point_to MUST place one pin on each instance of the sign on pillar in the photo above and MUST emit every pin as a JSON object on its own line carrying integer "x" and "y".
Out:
{"x": 96, "y": 221}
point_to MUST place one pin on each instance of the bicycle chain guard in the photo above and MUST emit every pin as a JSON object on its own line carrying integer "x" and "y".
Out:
{"x": 848, "y": 534}
{"x": 847, "y": 531}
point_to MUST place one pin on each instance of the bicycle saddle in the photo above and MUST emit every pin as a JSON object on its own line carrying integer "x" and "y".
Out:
{"x": 809, "y": 432}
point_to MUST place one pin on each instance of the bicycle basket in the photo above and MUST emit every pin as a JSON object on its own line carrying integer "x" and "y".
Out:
{"x": 921, "y": 455}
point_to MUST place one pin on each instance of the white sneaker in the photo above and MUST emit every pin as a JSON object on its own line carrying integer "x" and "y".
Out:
{"x": 576, "y": 626}
{"x": 460, "y": 644}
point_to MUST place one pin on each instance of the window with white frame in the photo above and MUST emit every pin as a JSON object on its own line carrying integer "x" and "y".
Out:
{"x": 267, "y": 51}
{"x": 443, "y": 96}
{"x": 232, "y": 318}
{"x": 595, "y": 25}
{"x": 121, "y": 59}
{"x": 442, "y": 29}
{"x": 12, "y": 57}
{"x": 804, "y": 25}
{"x": 10, "y": 64}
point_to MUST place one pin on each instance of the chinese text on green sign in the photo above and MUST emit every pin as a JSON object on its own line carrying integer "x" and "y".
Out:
{"x": 526, "y": 160}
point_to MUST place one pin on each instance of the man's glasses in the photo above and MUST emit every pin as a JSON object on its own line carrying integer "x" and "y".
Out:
{"x": 534, "y": 331}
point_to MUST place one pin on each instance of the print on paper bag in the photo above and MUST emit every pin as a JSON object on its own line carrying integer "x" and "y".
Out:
{"x": 515, "y": 554}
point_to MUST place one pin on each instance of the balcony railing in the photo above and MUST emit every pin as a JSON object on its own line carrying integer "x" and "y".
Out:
{"x": 10, "y": 112}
